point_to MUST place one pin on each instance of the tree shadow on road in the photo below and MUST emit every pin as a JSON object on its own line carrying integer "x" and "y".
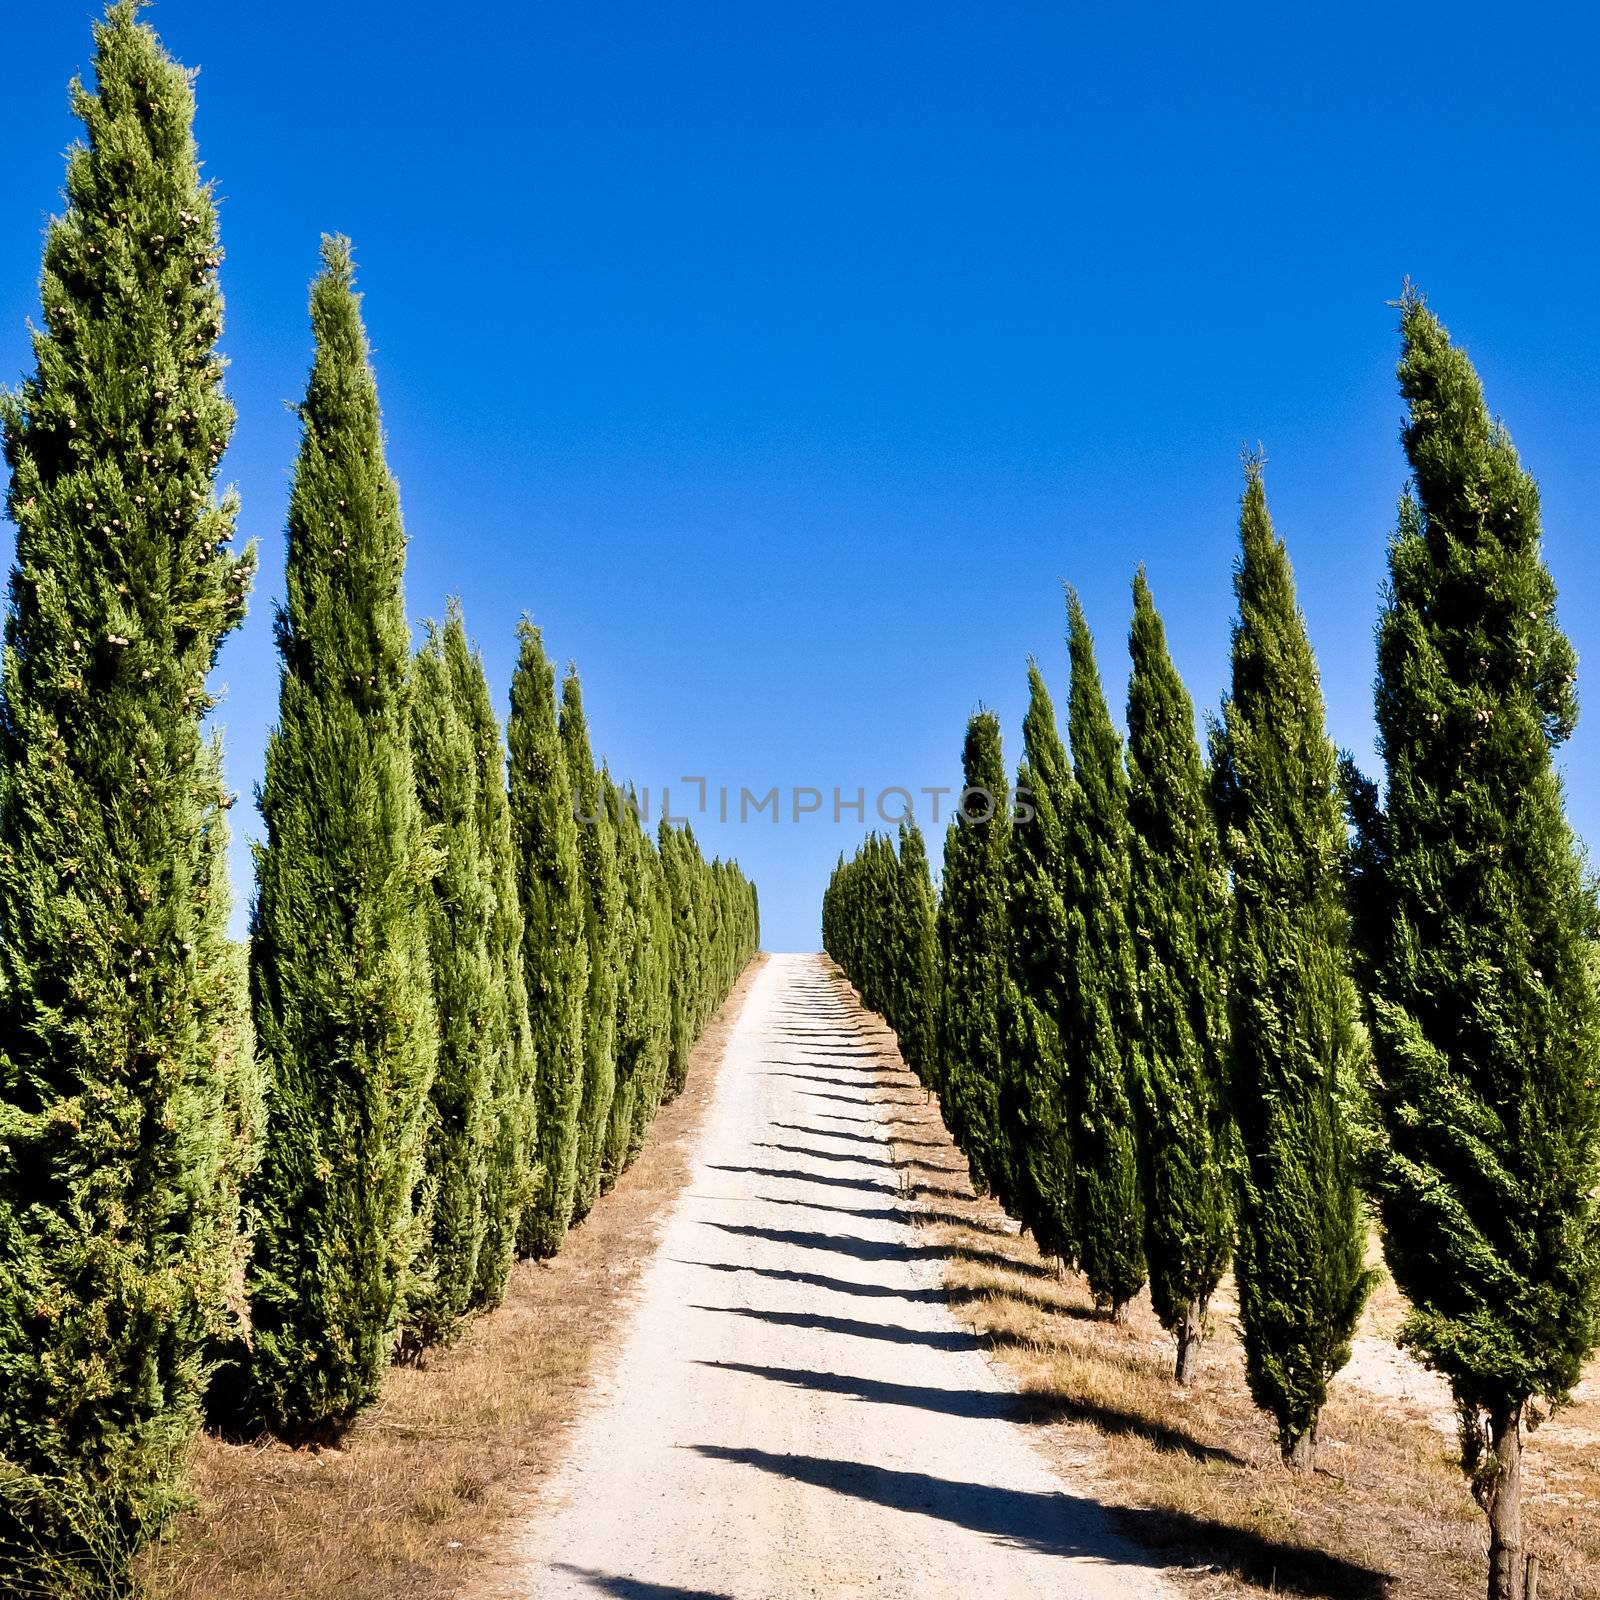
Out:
{"x": 634, "y": 1588}
{"x": 1061, "y": 1524}
{"x": 884, "y": 1332}
{"x": 825, "y": 1155}
{"x": 833, "y": 1133}
{"x": 1030, "y": 1406}
{"x": 819, "y": 1280}
{"x": 794, "y": 1174}
{"x": 846, "y": 1244}
{"x": 934, "y": 1295}
{"x": 841, "y": 1099}
{"x": 979, "y": 1405}
{"x": 781, "y": 1069}
{"x": 916, "y": 1218}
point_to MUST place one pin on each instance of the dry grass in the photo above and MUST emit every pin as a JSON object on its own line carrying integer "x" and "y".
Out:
{"x": 1195, "y": 1472}
{"x": 420, "y": 1503}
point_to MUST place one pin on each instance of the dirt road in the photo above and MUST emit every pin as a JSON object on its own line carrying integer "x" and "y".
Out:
{"x": 795, "y": 1412}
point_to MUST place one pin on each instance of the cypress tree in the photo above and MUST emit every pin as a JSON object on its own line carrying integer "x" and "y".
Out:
{"x": 974, "y": 949}
{"x": 1478, "y": 927}
{"x": 1179, "y": 912}
{"x": 510, "y": 1174}
{"x": 339, "y": 959}
{"x": 1102, "y": 1001}
{"x": 919, "y": 1037}
{"x": 555, "y": 957}
{"x": 1296, "y": 1039}
{"x": 653, "y": 1022}
{"x": 630, "y": 1024}
{"x": 597, "y": 855}
{"x": 127, "y": 1085}
{"x": 681, "y": 957}
{"x": 458, "y": 914}
{"x": 1037, "y": 1068}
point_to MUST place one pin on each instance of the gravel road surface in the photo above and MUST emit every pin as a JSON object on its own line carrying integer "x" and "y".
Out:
{"x": 794, "y": 1411}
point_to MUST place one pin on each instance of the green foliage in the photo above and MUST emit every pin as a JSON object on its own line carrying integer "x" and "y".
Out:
{"x": 510, "y": 1173}
{"x": 459, "y": 912}
{"x": 1179, "y": 914}
{"x": 640, "y": 1010}
{"x": 1476, "y": 921}
{"x": 339, "y": 958}
{"x": 864, "y": 930}
{"x": 128, "y": 1090}
{"x": 683, "y": 938}
{"x": 555, "y": 951}
{"x": 714, "y": 925}
{"x": 1101, "y": 1028}
{"x": 1297, "y": 1043}
{"x": 1037, "y": 1092}
{"x": 597, "y": 852}
{"x": 974, "y": 945}
{"x": 916, "y": 1019}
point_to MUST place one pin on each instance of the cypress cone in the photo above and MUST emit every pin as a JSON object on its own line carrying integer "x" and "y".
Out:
{"x": 974, "y": 943}
{"x": 128, "y": 1090}
{"x": 597, "y": 854}
{"x": 339, "y": 960}
{"x": 555, "y": 957}
{"x": 1297, "y": 1049}
{"x": 1179, "y": 910}
{"x": 1477, "y": 922}
{"x": 1101, "y": 1030}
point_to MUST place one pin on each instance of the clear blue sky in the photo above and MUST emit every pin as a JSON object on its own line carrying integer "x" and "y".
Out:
{"x": 781, "y": 361}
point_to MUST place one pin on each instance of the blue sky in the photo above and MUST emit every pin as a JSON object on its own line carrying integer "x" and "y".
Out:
{"x": 782, "y": 361}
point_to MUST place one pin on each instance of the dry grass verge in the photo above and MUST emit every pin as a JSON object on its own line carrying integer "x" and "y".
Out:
{"x": 1193, "y": 1472}
{"x": 418, "y": 1504}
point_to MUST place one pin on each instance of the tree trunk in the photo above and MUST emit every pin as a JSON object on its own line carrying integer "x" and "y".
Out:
{"x": 1191, "y": 1334}
{"x": 1300, "y": 1452}
{"x": 1500, "y": 1493}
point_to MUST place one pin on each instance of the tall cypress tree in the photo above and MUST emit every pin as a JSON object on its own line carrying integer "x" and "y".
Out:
{"x": 1296, "y": 1038}
{"x": 458, "y": 914}
{"x": 1478, "y": 926}
{"x": 597, "y": 853}
{"x": 339, "y": 958}
{"x": 1179, "y": 913}
{"x": 510, "y": 1174}
{"x": 682, "y": 942}
{"x": 555, "y": 957}
{"x": 974, "y": 950}
{"x": 1039, "y": 1096}
{"x": 919, "y": 1039}
{"x": 126, "y": 1082}
{"x": 1102, "y": 1002}
{"x": 641, "y": 1035}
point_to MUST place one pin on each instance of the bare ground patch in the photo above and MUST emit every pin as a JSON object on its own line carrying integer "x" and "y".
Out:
{"x": 1194, "y": 1472}
{"x": 418, "y": 1504}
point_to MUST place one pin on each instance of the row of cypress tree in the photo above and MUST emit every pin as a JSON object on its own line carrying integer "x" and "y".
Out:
{"x": 1182, "y": 1007}
{"x": 244, "y": 1178}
